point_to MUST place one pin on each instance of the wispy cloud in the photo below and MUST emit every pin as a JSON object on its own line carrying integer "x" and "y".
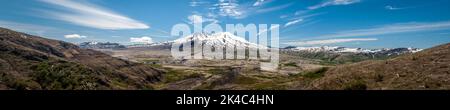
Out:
{"x": 195, "y": 3}
{"x": 258, "y": 2}
{"x": 293, "y": 22}
{"x": 144, "y": 39}
{"x": 229, "y": 8}
{"x": 392, "y": 29}
{"x": 333, "y": 3}
{"x": 74, "y": 36}
{"x": 389, "y": 7}
{"x": 236, "y": 10}
{"x": 274, "y": 8}
{"x": 327, "y": 41}
{"x": 300, "y": 19}
{"x": 195, "y": 18}
{"x": 90, "y": 15}
{"x": 271, "y": 28}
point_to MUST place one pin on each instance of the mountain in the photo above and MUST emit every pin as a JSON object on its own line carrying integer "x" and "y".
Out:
{"x": 427, "y": 69}
{"x": 101, "y": 45}
{"x": 328, "y": 55}
{"x": 223, "y": 39}
{"x": 387, "y": 51}
{"x": 32, "y": 62}
{"x": 157, "y": 45}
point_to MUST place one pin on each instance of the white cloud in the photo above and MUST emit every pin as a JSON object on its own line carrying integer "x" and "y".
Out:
{"x": 144, "y": 39}
{"x": 293, "y": 22}
{"x": 195, "y": 3}
{"x": 195, "y": 19}
{"x": 301, "y": 17}
{"x": 271, "y": 28}
{"x": 229, "y": 8}
{"x": 333, "y": 3}
{"x": 328, "y": 41}
{"x": 90, "y": 15}
{"x": 236, "y": 10}
{"x": 199, "y": 19}
{"x": 274, "y": 8}
{"x": 258, "y": 2}
{"x": 74, "y": 36}
{"x": 392, "y": 8}
{"x": 392, "y": 29}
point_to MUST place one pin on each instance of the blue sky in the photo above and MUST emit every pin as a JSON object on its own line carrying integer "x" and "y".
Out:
{"x": 350, "y": 23}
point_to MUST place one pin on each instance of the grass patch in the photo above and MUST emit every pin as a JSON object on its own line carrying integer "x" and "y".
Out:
{"x": 18, "y": 83}
{"x": 270, "y": 85}
{"x": 315, "y": 74}
{"x": 245, "y": 80}
{"x": 155, "y": 65}
{"x": 150, "y": 60}
{"x": 216, "y": 71}
{"x": 178, "y": 75}
{"x": 173, "y": 76}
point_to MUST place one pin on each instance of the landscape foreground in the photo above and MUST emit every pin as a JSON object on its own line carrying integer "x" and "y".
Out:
{"x": 29, "y": 62}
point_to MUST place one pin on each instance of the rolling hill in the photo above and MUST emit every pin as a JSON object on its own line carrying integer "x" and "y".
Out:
{"x": 32, "y": 62}
{"x": 427, "y": 69}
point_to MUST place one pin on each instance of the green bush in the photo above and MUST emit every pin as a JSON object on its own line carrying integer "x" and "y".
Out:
{"x": 63, "y": 75}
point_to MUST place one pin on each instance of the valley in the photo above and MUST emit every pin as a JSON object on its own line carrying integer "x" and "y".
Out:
{"x": 297, "y": 68}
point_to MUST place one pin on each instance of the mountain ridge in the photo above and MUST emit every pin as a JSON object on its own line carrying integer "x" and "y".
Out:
{"x": 32, "y": 62}
{"x": 428, "y": 69}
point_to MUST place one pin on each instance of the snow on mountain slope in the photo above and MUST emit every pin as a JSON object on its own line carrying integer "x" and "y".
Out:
{"x": 354, "y": 50}
{"x": 223, "y": 39}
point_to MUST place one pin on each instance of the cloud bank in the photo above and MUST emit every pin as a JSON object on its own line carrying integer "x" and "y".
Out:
{"x": 74, "y": 36}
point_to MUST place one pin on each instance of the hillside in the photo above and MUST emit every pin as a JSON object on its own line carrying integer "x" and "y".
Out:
{"x": 32, "y": 62}
{"x": 428, "y": 69}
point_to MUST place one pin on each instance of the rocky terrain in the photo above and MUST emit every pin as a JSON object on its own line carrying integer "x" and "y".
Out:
{"x": 33, "y": 63}
{"x": 298, "y": 69}
{"x": 428, "y": 69}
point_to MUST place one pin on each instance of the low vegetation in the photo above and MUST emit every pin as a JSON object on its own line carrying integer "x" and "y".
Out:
{"x": 315, "y": 73}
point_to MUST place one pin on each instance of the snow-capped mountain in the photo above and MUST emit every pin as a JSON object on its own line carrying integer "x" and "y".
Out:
{"x": 166, "y": 43}
{"x": 223, "y": 39}
{"x": 101, "y": 45}
{"x": 332, "y": 49}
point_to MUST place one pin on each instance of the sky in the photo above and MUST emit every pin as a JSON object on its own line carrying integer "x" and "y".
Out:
{"x": 349, "y": 23}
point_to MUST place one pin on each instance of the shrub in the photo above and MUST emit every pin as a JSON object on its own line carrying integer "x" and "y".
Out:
{"x": 315, "y": 74}
{"x": 63, "y": 75}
